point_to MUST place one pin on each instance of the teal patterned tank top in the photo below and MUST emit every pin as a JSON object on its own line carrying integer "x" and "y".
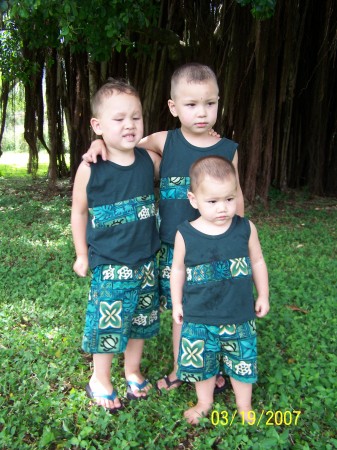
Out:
{"x": 219, "y": 288}
{"x": 178, "y": 156}
{"x": 121, "y": 223}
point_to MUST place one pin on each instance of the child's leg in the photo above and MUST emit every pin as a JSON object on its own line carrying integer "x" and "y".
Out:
{"x": 176, "y": 333}
{"x": 204, "y": 390}
{"x": 243, "y": 396}
{"x": 132, "y": 359}
{"x": 162, "y": 384}
{"x": 100, "y": 381}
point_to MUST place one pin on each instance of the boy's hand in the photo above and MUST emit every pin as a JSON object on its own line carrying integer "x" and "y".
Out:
{"x": 81, "y": 266}
{"x": 213, "y": 133}
{"x": 177, "y": 314}
{"x": 261, "y": 307}
{"x": 96, "y": 148}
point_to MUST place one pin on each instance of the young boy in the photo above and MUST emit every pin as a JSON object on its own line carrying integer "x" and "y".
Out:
{"x": 114, "y": 231}
{"x": 217, "y": 257}
{"x": 194, "y": 100}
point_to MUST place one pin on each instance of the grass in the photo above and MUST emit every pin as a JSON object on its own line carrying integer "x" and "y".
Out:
{"x": 44, "y": 372}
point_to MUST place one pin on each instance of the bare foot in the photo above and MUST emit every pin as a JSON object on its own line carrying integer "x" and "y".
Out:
{"x": 246, "y": 414}
{"x": 197, "y": 412}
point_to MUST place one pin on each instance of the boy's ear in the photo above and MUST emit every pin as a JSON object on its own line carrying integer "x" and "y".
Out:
{"x": 172, "y": 108}
{"x": 192, "y": 199}
{"x": 96, "y": 126}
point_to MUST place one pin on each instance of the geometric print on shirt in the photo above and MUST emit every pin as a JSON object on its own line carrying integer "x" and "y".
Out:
{"x": 218, "y": 271}
{"x": 138, "y": 208}
{"x": 123, "y": 303}
{"x": 174, "y": 188}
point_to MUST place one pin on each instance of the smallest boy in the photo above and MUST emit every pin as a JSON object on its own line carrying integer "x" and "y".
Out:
{"x": 217, "y": 257}
{"x": 114, "y": 231}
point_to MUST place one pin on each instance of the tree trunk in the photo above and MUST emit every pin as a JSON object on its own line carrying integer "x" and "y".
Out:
{"x": 33, "y": 88}
{"x": 3, "y": 108}
{"x": 77, "y": 105}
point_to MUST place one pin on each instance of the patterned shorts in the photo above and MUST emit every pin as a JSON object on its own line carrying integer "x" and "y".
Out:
{"x": 204, "y": 348}
{"x": 123, "y": 304}
{"x": 165, "y": 264}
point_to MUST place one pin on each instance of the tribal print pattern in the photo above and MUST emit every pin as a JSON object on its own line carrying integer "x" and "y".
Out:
{"x": 165, "y": 263}
{"x": 218, "y": 271}
{"x": 174, "y": 188}
{"x": 207, "y": 349}
{"x": 138, "y": 208}
{"x": 123, "y": 304}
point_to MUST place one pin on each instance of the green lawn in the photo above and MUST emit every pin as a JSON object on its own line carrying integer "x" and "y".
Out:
{"x": 44, "y": 372}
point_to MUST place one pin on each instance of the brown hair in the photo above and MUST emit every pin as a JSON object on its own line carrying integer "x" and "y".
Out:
{"x": 192, "y": 73}
{"x": 110, "y": 87}
{"x": 213, "y": 166}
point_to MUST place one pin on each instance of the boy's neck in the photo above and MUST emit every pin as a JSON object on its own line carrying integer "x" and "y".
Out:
{"x": 200, "y": 140}
{"x": 121, "y": 157}
{"x": 205, "y": 227}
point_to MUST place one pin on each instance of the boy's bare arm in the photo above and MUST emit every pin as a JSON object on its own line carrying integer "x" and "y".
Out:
{"x": 154, "y": 142}
{"x": 177, "y": 278}
{"x": 260, "y": 273}
{"x": 156, "y": 159}
{"x": 240, "y": 204}
{"x": 79, "y": 219}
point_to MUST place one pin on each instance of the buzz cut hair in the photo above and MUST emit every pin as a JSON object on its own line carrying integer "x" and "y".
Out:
{"x": 110, "y": 87}
{"x": 192, "y": 73}
{"x": 213, "y": 166}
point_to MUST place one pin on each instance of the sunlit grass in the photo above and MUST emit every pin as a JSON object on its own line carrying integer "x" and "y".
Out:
{"x": 44, "y": 372}
{"x": 15, "y": 164}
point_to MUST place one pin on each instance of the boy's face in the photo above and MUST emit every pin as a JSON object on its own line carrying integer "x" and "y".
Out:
{"x": 196, "y": 105}
{"x": 119, "y": 121}
{"x": 215, "y": 199}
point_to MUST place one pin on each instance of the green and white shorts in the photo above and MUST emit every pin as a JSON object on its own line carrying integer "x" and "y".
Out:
{"x": 165, "y": 264}
{"x": 205, "y": 348}
{"x": 123, "y": 304}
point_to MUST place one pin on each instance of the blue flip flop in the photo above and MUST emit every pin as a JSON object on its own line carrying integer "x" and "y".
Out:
{"x": 91, "y": 394}
{"x": 130, "y": 391}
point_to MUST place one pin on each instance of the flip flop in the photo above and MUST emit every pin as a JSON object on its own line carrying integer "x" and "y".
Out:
{"x": 131, "y": 385}
{"x": 91, "y": 394}
{"x": 170, "y": 383}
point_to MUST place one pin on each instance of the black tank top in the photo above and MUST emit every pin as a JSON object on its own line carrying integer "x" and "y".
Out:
{"x": 121, "y": 223}
{"x": 178, "y": 156}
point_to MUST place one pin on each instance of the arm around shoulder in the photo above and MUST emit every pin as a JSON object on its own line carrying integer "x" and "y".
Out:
{"x": 97, "y": 147}
{"x": 154, "y": 142}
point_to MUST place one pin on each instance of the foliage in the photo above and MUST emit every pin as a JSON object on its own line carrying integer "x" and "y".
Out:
{"x": 95, "y": 27}
{"x": 42, "y": 399}
{"x": 11, "y": 63}
{"x": 261, "y": 9}
{"x": 268, "y": 86}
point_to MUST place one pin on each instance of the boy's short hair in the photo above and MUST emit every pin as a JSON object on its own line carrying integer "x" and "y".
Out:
{"x": 214, "y": 166}
{"x": 111, "y": 86}
{"x": 192, "y": 73}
